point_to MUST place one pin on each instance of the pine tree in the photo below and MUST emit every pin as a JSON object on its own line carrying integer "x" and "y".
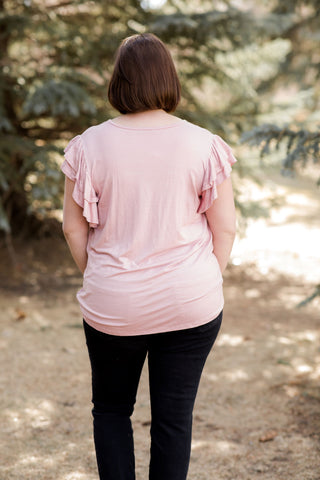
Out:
{"x": 56, "y": 59}
{"x": 295, "y": 122}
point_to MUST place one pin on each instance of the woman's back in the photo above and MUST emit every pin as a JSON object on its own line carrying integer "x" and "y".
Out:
{"x": 150, "y": 263}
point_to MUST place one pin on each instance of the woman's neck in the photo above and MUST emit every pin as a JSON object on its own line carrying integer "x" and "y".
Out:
{"x": 149, "y": 118}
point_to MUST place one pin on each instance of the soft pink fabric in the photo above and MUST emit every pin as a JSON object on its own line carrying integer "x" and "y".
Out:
{"x": 144, "y": 191}
{"x": 75, "y": 168}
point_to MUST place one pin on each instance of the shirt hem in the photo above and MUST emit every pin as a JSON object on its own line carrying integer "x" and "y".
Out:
{"x": 125, "y": 331}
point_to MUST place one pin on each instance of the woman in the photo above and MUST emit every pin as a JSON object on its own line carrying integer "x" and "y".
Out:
{"x": 145, "y": 194}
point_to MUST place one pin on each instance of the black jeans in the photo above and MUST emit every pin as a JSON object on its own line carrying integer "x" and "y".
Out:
{"x": 175, "y": 361}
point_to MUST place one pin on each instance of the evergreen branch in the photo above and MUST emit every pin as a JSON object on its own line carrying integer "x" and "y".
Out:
{"x": 199, "y": 27}
{"x": 302, "y": 144}
{"x": 311, "y": 297}
{"x": 58, "y": 99}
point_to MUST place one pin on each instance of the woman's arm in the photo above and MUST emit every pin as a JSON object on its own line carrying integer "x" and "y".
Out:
{"x": 75, "y": 227}
{"x": 221, "y": 217}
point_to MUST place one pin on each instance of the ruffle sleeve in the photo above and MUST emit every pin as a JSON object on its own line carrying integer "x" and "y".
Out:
{"x": 75, "y": 168}
{"x": 217, "y": 170}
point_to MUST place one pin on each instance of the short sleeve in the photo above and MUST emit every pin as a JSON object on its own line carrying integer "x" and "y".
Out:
{"x": 75, "y": 168}
{"x": 218, "y": 168}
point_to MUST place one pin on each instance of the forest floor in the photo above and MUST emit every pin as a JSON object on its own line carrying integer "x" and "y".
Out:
{"x": 257, "y": 414}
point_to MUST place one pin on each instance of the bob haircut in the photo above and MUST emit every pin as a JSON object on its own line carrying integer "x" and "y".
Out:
{"x": 144, "y": 76}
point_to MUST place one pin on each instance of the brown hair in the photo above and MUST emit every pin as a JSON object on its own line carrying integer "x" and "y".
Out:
{"x": 144, "y": 76}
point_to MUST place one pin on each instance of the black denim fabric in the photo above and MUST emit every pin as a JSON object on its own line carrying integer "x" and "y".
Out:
{"x": 175, "y": 360}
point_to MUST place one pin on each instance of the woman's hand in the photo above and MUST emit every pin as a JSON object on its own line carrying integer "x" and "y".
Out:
{"x": 75, "y": 227}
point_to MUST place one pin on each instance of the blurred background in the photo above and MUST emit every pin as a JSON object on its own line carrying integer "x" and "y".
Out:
{"x": 250, "y": 72}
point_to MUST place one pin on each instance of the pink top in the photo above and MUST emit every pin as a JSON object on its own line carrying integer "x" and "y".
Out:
{"x": 144, "y": 192}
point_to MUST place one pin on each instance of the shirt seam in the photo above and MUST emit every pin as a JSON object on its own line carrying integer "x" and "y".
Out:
{"x": 164, "y": 127}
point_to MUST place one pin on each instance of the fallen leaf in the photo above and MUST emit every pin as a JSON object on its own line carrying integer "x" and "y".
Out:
{"x": 268, "y": 436}
{"x": 19, "y": 315}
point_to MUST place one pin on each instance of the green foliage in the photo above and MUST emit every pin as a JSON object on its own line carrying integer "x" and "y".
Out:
{"x": 41, "y": 188}
{"x": 58, "y": 99}
{"x": 302, "y": 146}
{"x": 227, "y": 55}
{"x": 57, "y": 58}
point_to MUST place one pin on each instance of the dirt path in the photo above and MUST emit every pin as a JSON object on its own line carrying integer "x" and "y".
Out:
{"x": 257, "y": 414}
